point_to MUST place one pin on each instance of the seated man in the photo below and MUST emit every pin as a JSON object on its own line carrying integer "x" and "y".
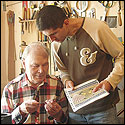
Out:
{"x": 34, "y": 96}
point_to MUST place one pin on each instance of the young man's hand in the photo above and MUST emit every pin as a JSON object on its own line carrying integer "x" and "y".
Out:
{"x": 69, "y": 84}
{"x": 103, "y": 84}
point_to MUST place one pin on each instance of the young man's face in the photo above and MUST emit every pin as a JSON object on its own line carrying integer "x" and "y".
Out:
{"x": 36, "y": 67}
{"x": 57, "y": 35}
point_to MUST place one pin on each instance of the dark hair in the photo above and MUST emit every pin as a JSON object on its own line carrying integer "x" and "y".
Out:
{"x": 50, "y": 16}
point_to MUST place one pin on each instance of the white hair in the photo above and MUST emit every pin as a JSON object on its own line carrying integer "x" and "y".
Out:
{"x": 29, "y": 48}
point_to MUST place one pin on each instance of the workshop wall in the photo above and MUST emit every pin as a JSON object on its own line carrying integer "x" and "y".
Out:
{"x": 113, "y": 11}
{"x": 17, "y": 8}
{"x": 4, "y": 40}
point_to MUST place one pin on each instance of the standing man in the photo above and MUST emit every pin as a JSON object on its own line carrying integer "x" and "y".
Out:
{"x": 83, "y": 49}
{"x": 34, "y": 96}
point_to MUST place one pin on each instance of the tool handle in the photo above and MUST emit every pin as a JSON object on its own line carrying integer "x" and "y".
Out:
{"x": 40, "y": 36}
{"x": 119, "y": 18}
{"x": 28, "y": 13}
{"x": 23, "y": 13}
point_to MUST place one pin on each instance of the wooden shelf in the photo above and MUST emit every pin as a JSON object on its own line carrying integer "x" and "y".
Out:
{"x": 22, "y": 21}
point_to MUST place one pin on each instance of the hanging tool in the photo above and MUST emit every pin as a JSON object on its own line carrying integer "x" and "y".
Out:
{"x": 80, "y": 7}
{"x": 40, "y": 36}
{"x": 20, "y": 19}
{"x": 28, "y": 17}
{"x": 119, "y": 15}
{"x": 23, "y": 45}
{"x": 74, "y": 13}
{"x": 25, "y": 6}
{"x": 68, "y": 7}
{"x": 65, "y": 6}
{"x": 105, "y": 14}
{"x": 66, "y": 11}
{"x": 11, "y": 45}
{"x": 92, "y": 13}
{"x": 22, "y": 30}
{"x": 107, "y": 5}
{"x": 23, "y": 16}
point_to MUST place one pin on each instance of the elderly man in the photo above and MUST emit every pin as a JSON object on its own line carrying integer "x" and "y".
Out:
{"x": 34, "y": 97}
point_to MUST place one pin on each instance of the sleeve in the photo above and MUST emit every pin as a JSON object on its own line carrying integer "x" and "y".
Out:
{"x": 64, "y": 73}
{"x": 109, "y": 43}
{"x": 114, "y": 47}
{"x": 8, "y": 107}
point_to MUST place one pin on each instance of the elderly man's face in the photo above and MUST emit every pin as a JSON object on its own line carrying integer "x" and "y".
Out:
{"x": 36, "y": 67}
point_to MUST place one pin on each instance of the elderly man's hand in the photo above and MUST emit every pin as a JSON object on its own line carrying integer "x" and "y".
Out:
{"x": 29, "y": 106}
{"x": 103, "y": 84}
{"x": 54, "y": 109}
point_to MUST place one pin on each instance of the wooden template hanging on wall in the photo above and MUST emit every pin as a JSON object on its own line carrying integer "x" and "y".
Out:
{"x": 11, "y": 46}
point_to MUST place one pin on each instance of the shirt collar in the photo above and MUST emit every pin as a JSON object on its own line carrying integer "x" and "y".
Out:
{"x": 26, "y": 82}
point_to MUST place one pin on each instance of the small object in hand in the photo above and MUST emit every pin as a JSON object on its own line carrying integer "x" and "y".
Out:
{"x": 50, "y": 118}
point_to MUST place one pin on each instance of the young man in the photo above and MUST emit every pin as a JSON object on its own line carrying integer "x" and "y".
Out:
{"x": 34, "y": 96}
{"x": 83, "y": 49}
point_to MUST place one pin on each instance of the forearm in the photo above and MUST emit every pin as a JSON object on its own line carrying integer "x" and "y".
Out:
{"x": 116, "y": 50}
{"x": 117, "y": 74}
{"x": 62, "y": 118}
{"x": 64, "y": 76}
{"x": 110, "y": 44}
